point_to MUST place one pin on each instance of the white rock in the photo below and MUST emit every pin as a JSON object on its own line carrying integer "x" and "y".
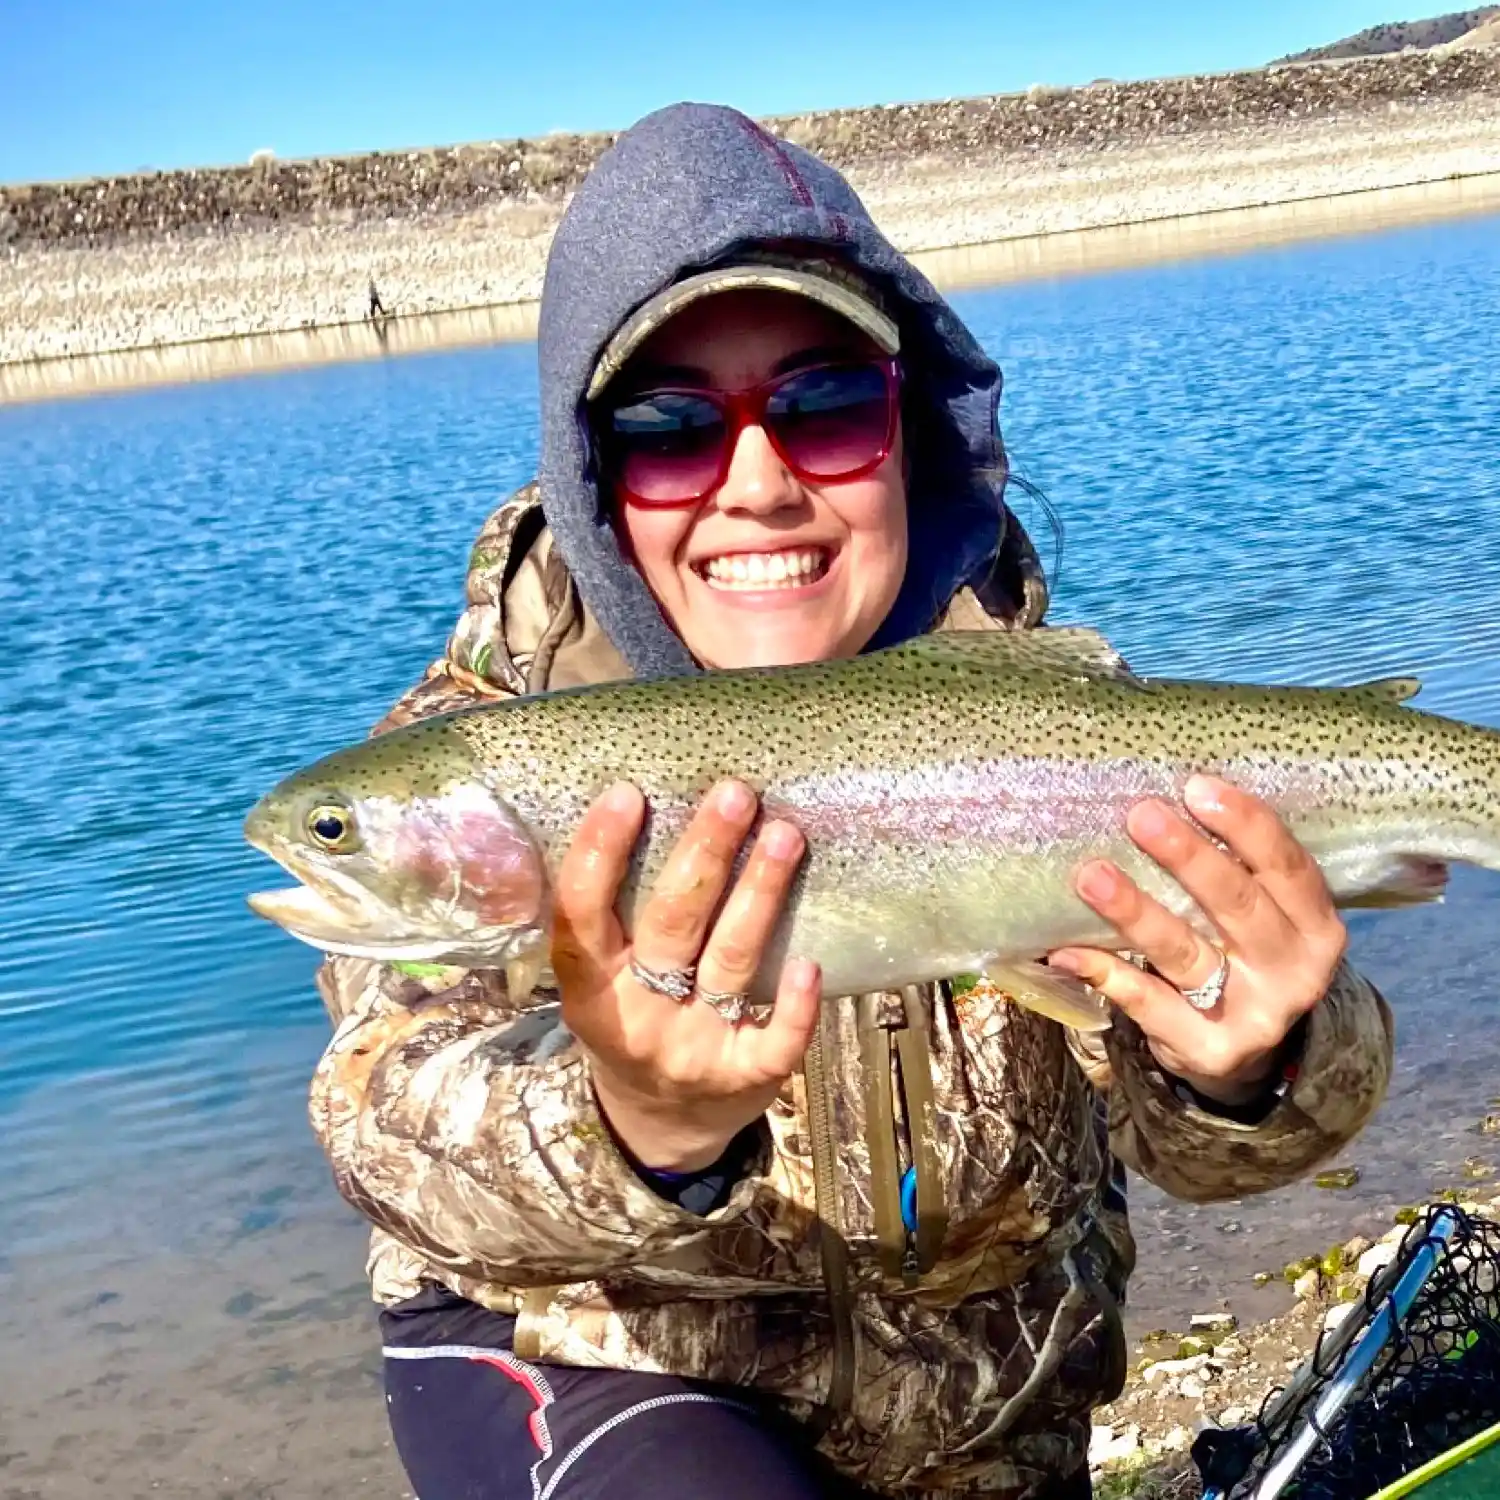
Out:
{"x": 1227, "y": 1322}
{"x": 1307, "y": 1285}
{"x": 1232, "y": 1348}
{"x": 1176, "y": 1440}
{"x": 1107, "y": 1447}
{"x": 1192, "y": 1388}
{"x": 1232, "y": 1416}
{"x": 1172, "y": 1369}
{"x": 1376, "y": 1258}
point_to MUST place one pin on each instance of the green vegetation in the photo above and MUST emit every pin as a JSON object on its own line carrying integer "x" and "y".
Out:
{"x": 1171, "y": 1477}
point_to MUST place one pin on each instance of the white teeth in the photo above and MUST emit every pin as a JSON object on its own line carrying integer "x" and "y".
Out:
{"x": 764, "y": 570}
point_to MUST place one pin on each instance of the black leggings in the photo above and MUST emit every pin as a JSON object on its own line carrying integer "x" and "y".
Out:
{"x": 472, "y": 1421}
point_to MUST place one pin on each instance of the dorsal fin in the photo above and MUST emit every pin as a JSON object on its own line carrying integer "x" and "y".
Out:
{"x": 1389, "y": 689}
{"x": 1069, "y": 651}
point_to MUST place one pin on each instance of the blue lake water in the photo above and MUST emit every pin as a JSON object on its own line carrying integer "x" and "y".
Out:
{"x": 1279, "y": 465}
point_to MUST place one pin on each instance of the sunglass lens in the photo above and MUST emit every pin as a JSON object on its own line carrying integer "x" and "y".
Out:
{"x": 667, "y": 446}
{"x": 832, "y": 421}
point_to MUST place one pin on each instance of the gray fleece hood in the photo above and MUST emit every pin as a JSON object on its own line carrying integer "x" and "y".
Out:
{"x": 694, "y": 186}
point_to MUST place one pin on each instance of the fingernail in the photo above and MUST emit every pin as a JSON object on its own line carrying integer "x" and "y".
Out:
{"x": 1204, "y": 794}
{"x": 1097, "y": 881}
{"x": 802, "y": 973}
{"x": 622, "y": 797}
{"x": 781, "y": 841}
{"x": 734, "y": 799}
{"x": 1067, "y": 961}
{"x": 1150, "y": 820}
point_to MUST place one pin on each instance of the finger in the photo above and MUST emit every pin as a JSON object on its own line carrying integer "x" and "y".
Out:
{"x": 1168, "y": 943}
{"x": 780, "y": 1046}
{"x": 674, "y": 921}
{"x": 586, "y": 931}
{"x": 737, "y": 944}
{"x": 1227, "y": 893}
{"x": 1285, "y": 870}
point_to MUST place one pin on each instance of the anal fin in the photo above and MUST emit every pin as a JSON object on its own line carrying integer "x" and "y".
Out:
{"x": 1390, "y": 880}
{"x": 1060, "y": 997}
{"x": 1395, "y": 881}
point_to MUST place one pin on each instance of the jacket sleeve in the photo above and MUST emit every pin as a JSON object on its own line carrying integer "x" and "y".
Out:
{"x": 468, "y": 1130}
{"x": 1338, "y": 1083}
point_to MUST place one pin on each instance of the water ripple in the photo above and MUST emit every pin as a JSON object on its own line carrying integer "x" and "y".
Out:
{"x": 1278, "y": 466}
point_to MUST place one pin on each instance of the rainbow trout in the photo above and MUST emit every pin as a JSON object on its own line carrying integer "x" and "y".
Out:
{"x": 948, "y": 789}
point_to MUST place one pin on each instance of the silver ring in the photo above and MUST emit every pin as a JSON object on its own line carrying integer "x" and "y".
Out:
{"x": 734, "y": 1007}
{"x": 1208, "y": 994}
{"x": 759, "y": 1012}
{"x": 675, "y": 984}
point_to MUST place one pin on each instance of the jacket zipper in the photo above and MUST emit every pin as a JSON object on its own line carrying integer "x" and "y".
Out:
{"x": 834, "y": 1249}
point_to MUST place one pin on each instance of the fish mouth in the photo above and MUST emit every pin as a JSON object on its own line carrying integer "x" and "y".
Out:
{"x": 307, "y": 912}
{"x": 323, "y": 922}
{"x": 337, "y": 915}
{"x": 329, "y": 922}
{"x": 333, "y": 912}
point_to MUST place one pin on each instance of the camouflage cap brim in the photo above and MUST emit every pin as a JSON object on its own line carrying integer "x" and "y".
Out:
{"x": 837, "y": 295}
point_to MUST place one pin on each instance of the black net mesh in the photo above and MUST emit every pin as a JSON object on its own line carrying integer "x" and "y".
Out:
{"x": 1435, "y": 1382}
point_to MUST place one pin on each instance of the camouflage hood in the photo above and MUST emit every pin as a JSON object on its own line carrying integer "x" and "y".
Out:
{"x": 696, "y": 186}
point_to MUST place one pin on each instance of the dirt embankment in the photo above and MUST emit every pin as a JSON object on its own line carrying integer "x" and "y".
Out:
{"x": 1457, "y": 28}
{"x": 1102, "y": 117}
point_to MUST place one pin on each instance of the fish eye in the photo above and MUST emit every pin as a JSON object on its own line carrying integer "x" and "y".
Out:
{"x": 332, "y": 828}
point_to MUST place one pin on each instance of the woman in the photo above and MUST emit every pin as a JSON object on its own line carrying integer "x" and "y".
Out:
{"x": 643, "y": 1241}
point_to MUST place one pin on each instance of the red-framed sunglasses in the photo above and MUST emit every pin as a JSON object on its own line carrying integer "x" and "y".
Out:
{"x": 827, "y": 422}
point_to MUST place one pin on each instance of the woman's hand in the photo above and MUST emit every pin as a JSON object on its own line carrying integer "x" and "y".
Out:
{"x": 1276, "y": 922}
{"x": 676, "y": 1080}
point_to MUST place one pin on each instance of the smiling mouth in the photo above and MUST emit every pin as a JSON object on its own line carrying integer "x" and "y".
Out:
{"x": 759, "y": 572}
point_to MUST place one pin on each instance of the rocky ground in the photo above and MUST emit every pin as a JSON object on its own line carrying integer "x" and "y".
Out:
{"x": 1215, "y": 1373}
{"x": 153, "y": 260}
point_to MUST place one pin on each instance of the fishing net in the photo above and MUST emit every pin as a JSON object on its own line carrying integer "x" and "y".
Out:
{"x": 1409, "y": 1375}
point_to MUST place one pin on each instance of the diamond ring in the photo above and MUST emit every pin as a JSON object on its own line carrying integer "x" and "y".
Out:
{"x": 675, "y": 984}
{"x": 1208, "y": 994}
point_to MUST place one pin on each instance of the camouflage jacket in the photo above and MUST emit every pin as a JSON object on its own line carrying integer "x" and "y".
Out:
{"x": 962, "y": 1358}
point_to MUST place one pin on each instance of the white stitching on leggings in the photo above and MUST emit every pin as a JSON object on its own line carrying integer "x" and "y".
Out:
{"x": 681, "y": 1398}
{"x": 542, "y": 1433}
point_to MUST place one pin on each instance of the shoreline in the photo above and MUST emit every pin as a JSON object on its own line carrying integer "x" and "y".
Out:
{"x": 951, "y": 267}
{"x": 178, "y": 276}
{"x": 1219, "y": 1372}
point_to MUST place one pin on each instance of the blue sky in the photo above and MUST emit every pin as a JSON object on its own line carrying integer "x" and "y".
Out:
{"x": 98, "y": 86}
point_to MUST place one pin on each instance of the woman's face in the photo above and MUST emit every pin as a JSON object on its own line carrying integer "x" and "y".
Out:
{"x": 731, "y": 571}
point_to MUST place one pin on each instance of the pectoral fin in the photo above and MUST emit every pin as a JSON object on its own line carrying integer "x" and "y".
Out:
{"x": 522, "y": 974}
{"x": 1060, "y": 997}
